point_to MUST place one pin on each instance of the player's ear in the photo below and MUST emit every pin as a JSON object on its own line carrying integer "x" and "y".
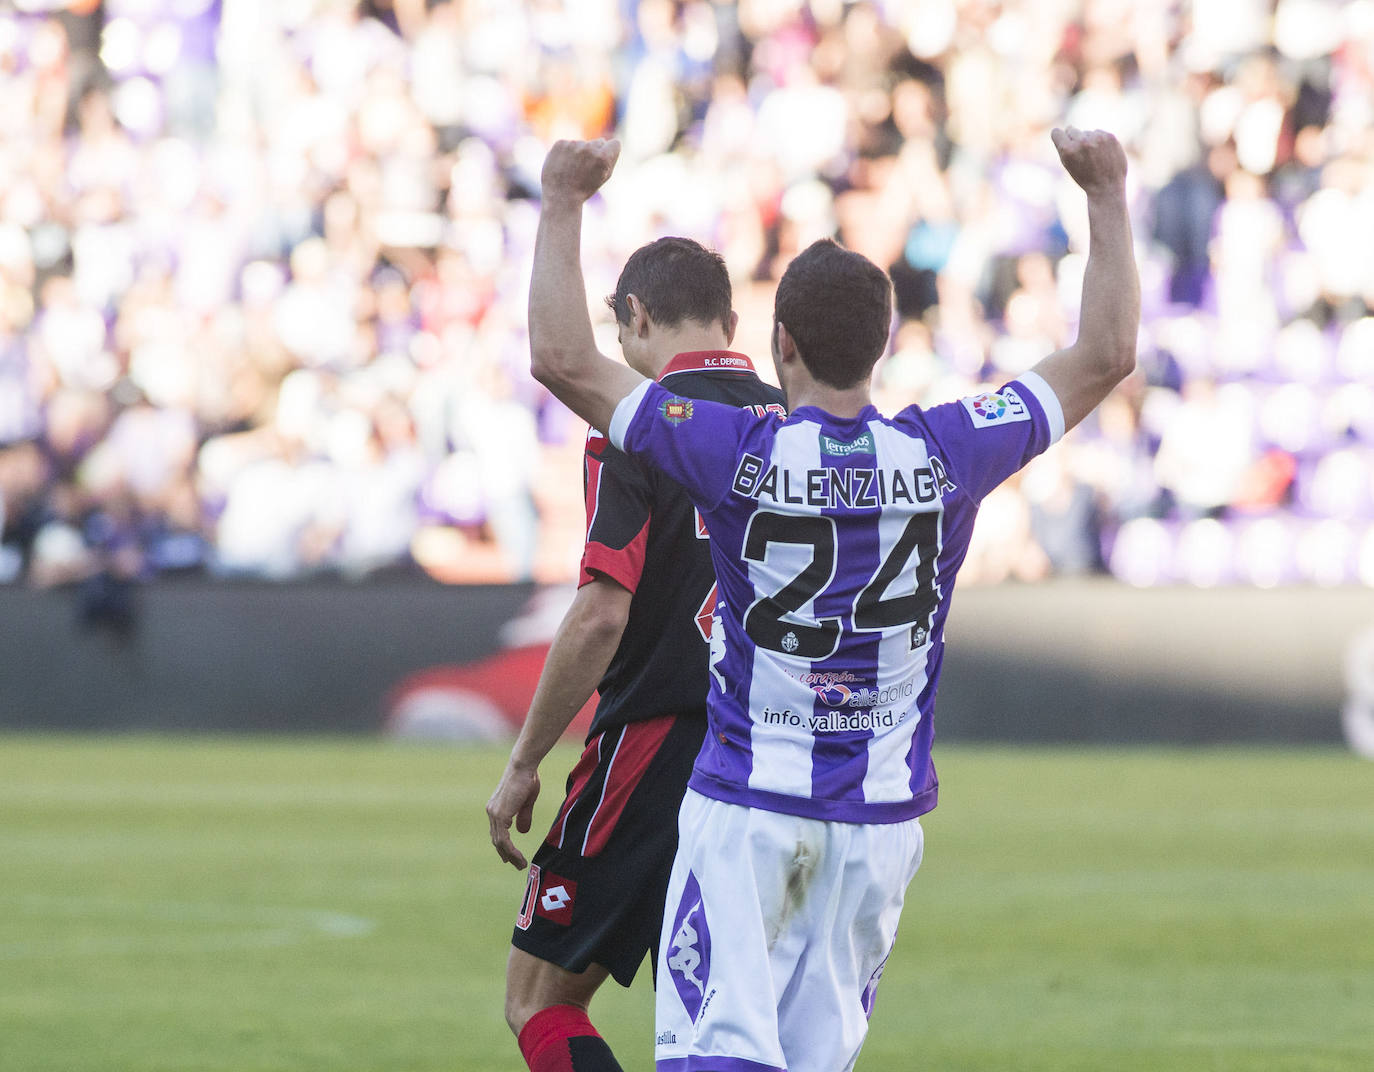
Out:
{"x": 640, "y": 321}
{"x": 784, "y": 348}
{"x": 730, "y": 326}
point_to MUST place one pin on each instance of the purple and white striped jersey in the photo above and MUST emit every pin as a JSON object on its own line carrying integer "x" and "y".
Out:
{"x": 835, "y": 543}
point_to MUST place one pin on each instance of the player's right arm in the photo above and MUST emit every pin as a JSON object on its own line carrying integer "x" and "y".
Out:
{"x": 581, "y": 651}
{"x": 1083, "y": 374}
{"x": 563, "y": 353}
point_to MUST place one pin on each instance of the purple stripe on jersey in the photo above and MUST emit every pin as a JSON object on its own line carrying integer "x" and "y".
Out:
{"x": 839, "y": 761}
{"x": 698, "y": 1063}
{"x": 924, "y": 782}
{"x": 727, "y": 751}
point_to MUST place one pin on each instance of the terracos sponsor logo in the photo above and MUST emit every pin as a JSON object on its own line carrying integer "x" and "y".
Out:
{"x": 838, "y": 448}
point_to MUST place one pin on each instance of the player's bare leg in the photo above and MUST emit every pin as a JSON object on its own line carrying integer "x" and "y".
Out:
{"x": 546, "y": 1008}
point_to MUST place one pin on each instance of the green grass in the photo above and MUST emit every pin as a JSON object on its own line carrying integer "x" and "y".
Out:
{"x": 307, "y": 905}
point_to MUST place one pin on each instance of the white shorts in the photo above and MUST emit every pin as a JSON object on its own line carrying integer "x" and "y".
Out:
{"x": 775, "y": 932}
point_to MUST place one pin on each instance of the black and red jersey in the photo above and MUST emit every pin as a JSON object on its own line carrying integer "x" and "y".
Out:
{"x": 644, "y": 533}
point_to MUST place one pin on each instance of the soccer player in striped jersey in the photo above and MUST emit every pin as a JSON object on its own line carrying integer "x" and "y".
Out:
{"x": 836, "y": 535}
{"x": 637, "y": 632}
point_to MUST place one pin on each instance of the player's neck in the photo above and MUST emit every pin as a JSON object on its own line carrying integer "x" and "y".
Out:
{"x": 684, "y": 340}
{"x": 838, "y": 402}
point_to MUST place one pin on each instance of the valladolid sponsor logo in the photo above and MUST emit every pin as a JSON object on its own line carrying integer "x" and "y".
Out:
{"x": 845, "y": 689}
{"x": 834, "y": 721}
{"x": 853, "y": 721}
{"x": 839, "y": 448}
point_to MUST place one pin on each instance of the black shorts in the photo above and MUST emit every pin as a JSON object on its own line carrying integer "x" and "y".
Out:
{"x": 596, "y": 886}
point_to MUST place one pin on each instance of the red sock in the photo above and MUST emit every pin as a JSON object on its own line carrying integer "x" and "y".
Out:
{"x": 562, "y": 1039}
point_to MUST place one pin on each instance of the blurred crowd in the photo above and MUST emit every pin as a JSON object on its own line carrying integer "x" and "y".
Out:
{"x": 264, "y": 264}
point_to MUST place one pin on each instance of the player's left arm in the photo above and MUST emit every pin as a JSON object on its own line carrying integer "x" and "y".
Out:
{"x": 563, "y": 353}
{"x": 1084, "y": 373}
{"x": 581, "y": 651}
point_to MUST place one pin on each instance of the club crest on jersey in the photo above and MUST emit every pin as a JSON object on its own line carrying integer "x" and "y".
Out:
{"x": 676, "y": 410}
{"x": 989, "y": 409}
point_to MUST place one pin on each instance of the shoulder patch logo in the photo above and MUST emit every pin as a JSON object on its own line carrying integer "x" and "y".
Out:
{"x": 676, "y": 410}
{"x": 990, "y": 409}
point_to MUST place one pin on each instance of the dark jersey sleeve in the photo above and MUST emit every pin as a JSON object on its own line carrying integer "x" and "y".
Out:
{"x": 619, "y": 507}
{"x": 644, "y": 533}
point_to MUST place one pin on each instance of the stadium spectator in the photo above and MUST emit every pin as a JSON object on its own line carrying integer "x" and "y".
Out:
{"x": 198, "y": 202}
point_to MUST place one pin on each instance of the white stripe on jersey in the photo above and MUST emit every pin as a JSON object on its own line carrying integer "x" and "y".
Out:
{"x": 889, "y": 774}
{"x": 783, "y": 751}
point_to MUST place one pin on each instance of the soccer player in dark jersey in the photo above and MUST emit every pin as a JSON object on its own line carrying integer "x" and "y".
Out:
{"x": 836, "y": 534}
{"x": 638, "y": 631}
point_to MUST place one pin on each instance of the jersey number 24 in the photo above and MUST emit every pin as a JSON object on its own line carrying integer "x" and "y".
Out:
{"x": 772, "y": 621}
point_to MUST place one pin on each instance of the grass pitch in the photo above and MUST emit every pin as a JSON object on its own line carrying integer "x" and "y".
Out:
{"x": 191, "y": 905}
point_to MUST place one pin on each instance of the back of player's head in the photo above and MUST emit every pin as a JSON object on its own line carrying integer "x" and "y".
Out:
{"x": 837, "y": 306}
{"x": 677, "y": 279}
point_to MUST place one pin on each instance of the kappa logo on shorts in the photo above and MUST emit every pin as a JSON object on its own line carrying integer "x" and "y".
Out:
{"x": 689, "y": 957}
{"x": 556, "y": 896}
{"x": 989, "y": 410}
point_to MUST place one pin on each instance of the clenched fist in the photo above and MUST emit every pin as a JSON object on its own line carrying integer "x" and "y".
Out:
{"x": 1094, "y": 159}
{"x": 574, "y": 170}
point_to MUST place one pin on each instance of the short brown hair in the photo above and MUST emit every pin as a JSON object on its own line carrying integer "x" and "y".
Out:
{"x": 677, "y": 279}
{"x": 837, "y": 306}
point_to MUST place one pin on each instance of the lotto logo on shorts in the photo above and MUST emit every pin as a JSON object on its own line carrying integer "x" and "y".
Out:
{"x": 689, "y": 954}
{"x": 550, "y": 896}
{"x": 556, "y": 896}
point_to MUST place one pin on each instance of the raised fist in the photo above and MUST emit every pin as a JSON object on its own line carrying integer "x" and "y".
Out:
{"x": 575, "y": 170}
{"x": 1094, "y": 159}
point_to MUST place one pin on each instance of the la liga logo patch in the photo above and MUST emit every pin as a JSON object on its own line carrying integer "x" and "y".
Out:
{"x": 676, "y": 410}
{"x": 989, "y": 409}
